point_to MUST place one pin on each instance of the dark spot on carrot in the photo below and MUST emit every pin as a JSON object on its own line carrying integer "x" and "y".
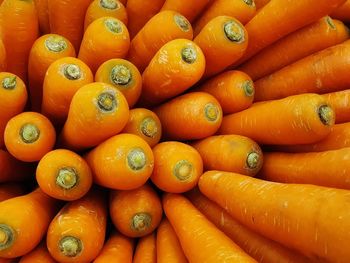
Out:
{"x": 148, "y": 127}
{"x": 211, "y": 112}
{"x": 183, "y": 170}
{"x": 121, "y": 75}
{"x": 113, "y": 26}
{"x": 136, "y": 159}
{"x": 72, "y": 72}
{"x": 55, "y": 43}
{"x": 189, "y": 54}
{"x": 248, "y": 88}
{"x": 9, "y": 82}
{"x": 141, "y": 222}
{"x": 182, "y": 22}
{"x": 106, "y": 102}
{"x": 109, "y": 4}
{"x": 233, "y": 31}
{"x": 70, "y": 246}
{"x": 7, "y": 236}
{"x": 67, "y": 178}
{"x": 29, "y": 133}
{"x": 326, "y": 115}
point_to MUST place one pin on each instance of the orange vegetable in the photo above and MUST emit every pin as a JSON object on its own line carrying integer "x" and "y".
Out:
{"x": 29, "y": 136}
{"x": 63, "y": 79}
{"x": 97, "y": 112}
{"x": 3, "y": 61}
{"x": 177, "y": 66}
{"x": 123, "y": 162}
{"x": 38, "y": 255}
{"x": 11, "y": 190}
{"x": 104, "y": 39}
{"x": 190, "y": 9}
{"x": 137, "y": 212}
{"x": 299, "y": 119}
{"x": 77, "y": 232}
{"x": 223, "y": 41}
{"x": 340, "y": 102}
{"x": 260, "y": 3}
{"x": 177, "y": 167}
{"x": 42, "y": 8}
{"x": 123, "y": 75}
{"x": 146, "y": 124}
{"x": 146, "y": 251}
{"x": 342, "y": 12}
{"x": 13, "y": 170}
{"x": 24, "y": 221}
{"x": 152, "y": 37}
{"x": 198, "y": 114}
{"x": 200, "y": 239}
{"x": 45, "y": 50}
{"x": 291, "y": 214}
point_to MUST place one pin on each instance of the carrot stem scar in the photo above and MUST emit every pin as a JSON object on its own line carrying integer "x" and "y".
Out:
{"x": 148, "y": 127}
{"x": 113, "y": 26}
{"x": 67, "y": 178}
{"x": 55, "y": 44}
{"x": 182, "y": 22}
{"x": 106, "y": 102}
{"x": 326, "y": 114}
{"x": 70, "y": 246}
{"x": 136, "y": 159}
{"x": 189, "y": 55}
{"x": 72, "y": 72}
{"x": 29, "y": 133}
{"x": 6, "y": 236}
{"x": 183, "y": 170}
{"x": 249, "y": 2}
{"x": 109, "y": 4}
{"x": 248, "y": 88}
{"x": 253, "y": 160}
{"x": 211, "y": 112}
{"x": 141, "y": 221}
{"x": 9, "y": 82}
{"x": 121, "y": 75}
{"x": 234, "y": 31}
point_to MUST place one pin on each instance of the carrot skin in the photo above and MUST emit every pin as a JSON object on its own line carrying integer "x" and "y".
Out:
{"x": 340, "y": 102}
{"x": 146, "y": 251}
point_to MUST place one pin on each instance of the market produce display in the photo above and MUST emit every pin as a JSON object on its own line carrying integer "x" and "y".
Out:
{"x": 172, "y": 131}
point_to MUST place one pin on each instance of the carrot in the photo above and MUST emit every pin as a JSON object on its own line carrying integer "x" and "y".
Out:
{"x": 123, "y": 162}
{"x": 13, "y": 170}
{"x": 233, "y": 89}
{"x": 123, "y": 75}
{"x": 261, "y": 3}
{"x": 260, "y": 248}
{"x": 152, "y": 37}
{"x": 342, "y": 12}
{"x": 77, "y": 232}
{"x": 200, "y": 239}
{"x": 29, "y": 136}
{"x": 67, "y": 19}
{"x": 177, "y": 167}
{"x": 64, "y": 175}
{"x": 104, "y": 39}
{"x": 299, "y": 119}
{"x": 340, "y": 102}
{"x": 8, "y": 260}
{"x": 118, "y": 249}
{"x": 19, "y": 29}
{"x": 63, "y": 79}
{"x": 42, "y": 8}
{"x": 24, "y": 221}
{"x": 137, "y": 212}
{"x": 190, "y": 9}
{"x": 45, "y": 50}
{"x": 13, "y": 94}
{"x": 291, "y": 214}
{"x": 146, "y": 124}
{"x": 146, "y": 251}
{"x": 319, "y": 35}
{"x": 321, "y": 72}
{"x": 198, "y": 114}
{"x": 242, "y": 10}
{"x": 11, "y": 190}
{"x": 169, "y": 249}
{"x": 97, "y": 112}
{"x": 38, "y": 255}
{"x": 231, "y": 153}
{"x": 101, "y": 8}
{"x": 284, "y": 20}
{"x": 223, "y": 41}
{"x": 139, "y": 12}
{"x": 3, "y": 61}
{"x": 176, "y": 67}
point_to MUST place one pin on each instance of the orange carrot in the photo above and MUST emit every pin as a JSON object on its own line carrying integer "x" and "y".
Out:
{"x": 146, "y": 124}
{"x": 97, "y": 112}
{"x": 260, "y": 3}
{"x": 123, "y": 75}
{"x": 10, "y": 190}
{"x": 124, "y": 162}
{"x": 177, "y": 167}
{"x": 342, "y": 12}
{"x": 13, "y": 170}
{"x": 44, "y": 51}
{"x": 117, "y": 249}
{"x": 8, "y": 260}
{"x": 104, "y": 39}
{"x": 176, "y": 67}
{"x": 24, "y": 221}
{"x": 137, "y": 212}
{"x": 152, "y": 37}
{"x": 291, "y": 214}
{"x": 310, "y": 39}
{"x": 299, "y": 119}
{"x": 13, "y": 94}
{"x": 198, "y": 114}
{"x": 29, "y": 136}
{"x": 223, "y": 41}
{"x": 190, "y": 9}
{"x": 233, "y": 89}
{"x": 324, "y": 71}
{"x": 169, "y": 249}
{"x": 231, "y": 153}
{"x": 19, "y": 29}
{"x": 340, "y": 102}
{"x": 63, "y": 175}
{"x": 67, "y": 19}
{"x": 139, "y": 12}
{"x": 242, "y": 10}
{"x": 262, "y": 249}
{"x": 3, "y": 61}
{"x": 42, "y": 8}
{"x": 101, "y": 8}
{"x": 38, "y": 255}
{"x": 146, "y": 251}
{"x": 200, "y": 239}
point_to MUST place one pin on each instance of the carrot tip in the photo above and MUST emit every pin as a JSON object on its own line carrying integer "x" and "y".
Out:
{"x": 113, "y": 25}
{"x": 9, "y": 82}
{"x": 248, "y": 88}
{"x": 141, "y": 222}
{"x": 189, "y": 55}
{"x": 253, "y": 160}
{"x": 149, "y": 127}
{"x": 67, "y": 178}
{"x": 121, "y": 75}
{"x": 72, "y": 72}
{"x": 29, "y": 133}
{"x": 6, "y": 236}
{"x": 183, "y": 170}
{"x": 136, "y": 159}
{"x": 55, "y": 43}
{"x": 109, "y": 4}
{"x": 106, "y": 102}
{"x": 330, "y": 22}
{"x": 182, "y": 22}
{"x": 70, "y": 246}
{"x": 233, "y": 31}
{"x": 326, "y": 114}
{"x": 211, "y": 112}
{"x": 249, "y": 2}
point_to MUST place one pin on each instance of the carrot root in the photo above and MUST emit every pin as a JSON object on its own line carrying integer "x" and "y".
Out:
{"x": 70, "y": 246}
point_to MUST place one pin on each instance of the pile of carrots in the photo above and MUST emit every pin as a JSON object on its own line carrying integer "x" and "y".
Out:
{"x": 173, "y": 131}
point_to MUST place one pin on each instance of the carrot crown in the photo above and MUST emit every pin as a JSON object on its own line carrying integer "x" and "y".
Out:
{"x": 253, "y": 160}
{"x": 141, "y": 222}
{"x": 67, "y": 178}
{"x": 136, "y": 159}
{"x": 55, "y": 43}
{"x": 7, "y": 236}
{"x": 211, "y": 112}
{"x": 183, "y": 170}
{"x": 121, "y": 75}
{"x": 330, "y": 22}
{"x": 106, "y": 102}
{"x": 113, "y": 26}
{"x": 182, "y": 22}
{"x": 248, "y": 88}
{"x": 326, "y": 114}
{"x": 109, "y": 4}
{"x": 233, "y": 31}
{"x": 249, "y": 2}
{"x": 189, "y": 54}
{"x": 9, "y": 82}
{"x": 29, "y": 133}
{"x": 149, "y": 127}
{"x": 70, "y": 246}
{"x": 72, "y": 72}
